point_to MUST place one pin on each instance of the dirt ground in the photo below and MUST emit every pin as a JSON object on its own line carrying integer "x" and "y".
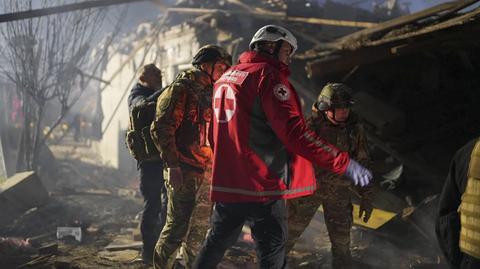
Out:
{"x": 106, "y": 205}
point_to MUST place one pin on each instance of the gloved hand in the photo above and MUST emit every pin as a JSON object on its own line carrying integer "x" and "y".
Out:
{"x": 358, "y": 174}
{"x": 366, "y": 209}
{"x": 174, "y": 177}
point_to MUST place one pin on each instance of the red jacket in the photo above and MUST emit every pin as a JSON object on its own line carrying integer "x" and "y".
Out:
{"x": 262, "y": 146}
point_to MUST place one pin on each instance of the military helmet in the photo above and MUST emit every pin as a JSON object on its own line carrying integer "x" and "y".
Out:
{"x": 211, "y": 53}
{"x": 274, "y": 33}
{"x": 334, "y": 95}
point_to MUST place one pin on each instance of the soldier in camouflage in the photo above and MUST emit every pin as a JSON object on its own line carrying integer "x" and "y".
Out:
{"x": 332, "y": 118}
{"x": 180, "y": 132}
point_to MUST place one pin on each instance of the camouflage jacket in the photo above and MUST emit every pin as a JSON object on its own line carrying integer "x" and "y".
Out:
{"x": 348, "y": 137}
{"x": 181, "y": 122}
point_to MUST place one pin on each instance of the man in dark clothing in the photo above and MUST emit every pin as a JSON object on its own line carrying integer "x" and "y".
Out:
{"x": 143, "y": 95}
{"x": 458, "y": 221}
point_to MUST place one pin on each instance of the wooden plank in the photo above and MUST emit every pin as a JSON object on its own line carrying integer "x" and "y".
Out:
{"x": 460, "y": 20}
{"x": 342, "y": 61}
{"x": 342, "y": 23}
{"x": 282, "y": 16}
{"x": 404, "y": 20}
{"x": 346, "y": 60}
{"x": 20, "y": 193}
{"x": 118, "y": 247}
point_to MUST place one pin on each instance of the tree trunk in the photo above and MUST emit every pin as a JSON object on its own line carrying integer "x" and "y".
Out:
{"x": 38, "y": 137}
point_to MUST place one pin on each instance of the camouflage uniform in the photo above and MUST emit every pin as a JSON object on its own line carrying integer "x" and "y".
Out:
{"x": 180, "y": 133}
{"x": 333, "y": 190}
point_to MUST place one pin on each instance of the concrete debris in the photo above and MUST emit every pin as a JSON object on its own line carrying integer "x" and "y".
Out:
{"x": 119, "y": 256}
{"x": 130, "y": 193}
{"x": 124, "y": 241}
{"x": 51, "y": 248}
{"x": 36, "y": 262}
{"x": 137, "y": 235}
{"x": 20, "y": 193}
{"x": 117, "y": 246}
{"x": 63, "y": 263}
{"x": 391, "y": 179}
{"x": 92, "y": 229}
{"x": 75, "y": 232}
{"x": 10, "y": 246}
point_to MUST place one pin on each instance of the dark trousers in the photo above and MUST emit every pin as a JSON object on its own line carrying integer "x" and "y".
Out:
{"x": 469, "y": 262}
{"x": 152, "y": 187}
{"x": 269, "y": 230}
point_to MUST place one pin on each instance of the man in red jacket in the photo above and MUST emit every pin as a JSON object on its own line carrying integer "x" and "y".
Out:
{"x": 263, "y": 151}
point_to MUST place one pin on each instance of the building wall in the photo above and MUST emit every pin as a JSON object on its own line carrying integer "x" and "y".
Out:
{"x": 114, "y": 95}
{"x": 176, "y": 48}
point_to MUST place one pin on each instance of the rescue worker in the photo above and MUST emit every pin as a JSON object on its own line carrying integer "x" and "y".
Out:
{"x": 333, "y": 120}
{"x": 458, "y": 220}
{"x": 262, "y": 152}
{"x": 152, "y": 185}
{"x": 180, "y": 133}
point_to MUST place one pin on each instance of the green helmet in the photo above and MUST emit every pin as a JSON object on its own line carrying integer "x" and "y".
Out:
{"x": 211, "y": 53}
{"x": 334, "y": 95}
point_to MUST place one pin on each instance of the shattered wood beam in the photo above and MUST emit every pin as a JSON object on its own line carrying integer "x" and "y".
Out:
{"x": 404, "y": 20}
{"x": 344, "y": 60}
{"x": 458, "y": 21}
{"x": 277, "y": 16}
{"x": 212, "y": 10}
{"x": 343, "y": 23}
{"x": 15, "y": 16}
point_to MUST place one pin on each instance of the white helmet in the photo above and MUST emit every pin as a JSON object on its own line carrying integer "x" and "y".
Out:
{"x": 274, "y": 33}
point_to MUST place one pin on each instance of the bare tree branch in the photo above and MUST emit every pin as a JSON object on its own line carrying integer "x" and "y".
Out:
{"x": 46, "y": 59}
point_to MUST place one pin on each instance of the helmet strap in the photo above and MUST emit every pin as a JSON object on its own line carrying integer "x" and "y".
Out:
{"x": 213, "y": 70}
{"x": 276, "y": 50}
{"x": 264, "y": 47}
{"x": 210, "y": 74}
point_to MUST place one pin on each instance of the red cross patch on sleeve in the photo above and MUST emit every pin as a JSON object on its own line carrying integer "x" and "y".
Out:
{"x": 282, "y": 92}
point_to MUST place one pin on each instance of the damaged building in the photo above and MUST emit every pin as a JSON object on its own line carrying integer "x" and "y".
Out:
{"x": 172, "y": 41}
{"x": 415, "y": 78}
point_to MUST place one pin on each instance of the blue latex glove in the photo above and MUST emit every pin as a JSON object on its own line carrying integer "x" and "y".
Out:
{"x": 358, "y": 174}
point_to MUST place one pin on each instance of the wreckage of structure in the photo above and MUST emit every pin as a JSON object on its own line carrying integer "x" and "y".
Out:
{"x": 416, "y": 81}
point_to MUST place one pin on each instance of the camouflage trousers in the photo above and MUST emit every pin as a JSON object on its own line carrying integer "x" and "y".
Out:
{"x": 335, "y": 196}
{"x": 188, "y": 219}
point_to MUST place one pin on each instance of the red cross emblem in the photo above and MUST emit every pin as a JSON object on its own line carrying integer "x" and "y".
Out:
{"x": 282, "y": 92}
{"x": 224, "y": 103}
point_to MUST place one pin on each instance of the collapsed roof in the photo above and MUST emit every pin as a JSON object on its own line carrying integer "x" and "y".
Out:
{"x": 448, "y": 25}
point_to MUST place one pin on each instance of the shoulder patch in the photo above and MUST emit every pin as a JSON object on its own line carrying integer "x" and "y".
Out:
{"x": 224, "y": 103}
{"x": 282, "y": 92}
{"x": 233, "y": 76}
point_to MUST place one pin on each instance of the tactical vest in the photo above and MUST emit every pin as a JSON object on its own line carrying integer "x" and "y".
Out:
{"x": 191, "y": 134}
{"x": 340, "y": 136}
{"x": 138, "y": 139}
{"x": 470, "y": 208}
